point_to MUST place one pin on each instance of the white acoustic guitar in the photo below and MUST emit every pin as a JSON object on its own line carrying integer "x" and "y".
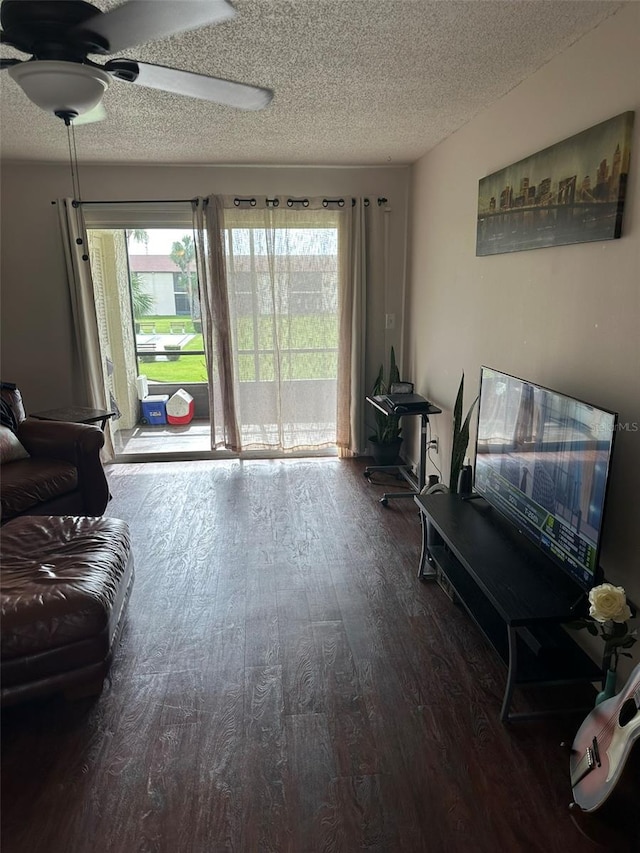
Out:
{"x": 603, "y": 744}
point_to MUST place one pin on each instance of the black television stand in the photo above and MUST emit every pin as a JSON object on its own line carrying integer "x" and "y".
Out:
{"x": 516, "y": 596}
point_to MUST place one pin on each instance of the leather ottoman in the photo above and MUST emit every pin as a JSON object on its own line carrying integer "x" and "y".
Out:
{"x": 65, "y": 583}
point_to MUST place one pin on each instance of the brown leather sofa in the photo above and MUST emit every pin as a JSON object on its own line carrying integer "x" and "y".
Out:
{"x": 65, "y": 585}
{"x": 47, "y": 467}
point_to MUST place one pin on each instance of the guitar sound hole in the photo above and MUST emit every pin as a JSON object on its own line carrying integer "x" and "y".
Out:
{"x": 627, "y": 712}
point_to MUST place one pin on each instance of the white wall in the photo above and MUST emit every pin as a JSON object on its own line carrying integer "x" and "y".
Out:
{"x": 36, "y": 334}
{"x": 160, "y": 285}
{"x": 565, "y": 317}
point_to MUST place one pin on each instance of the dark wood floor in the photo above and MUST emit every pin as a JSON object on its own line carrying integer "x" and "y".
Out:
{"x": 283, "y": 683}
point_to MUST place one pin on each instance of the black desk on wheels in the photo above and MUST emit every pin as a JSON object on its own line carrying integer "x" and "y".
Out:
{"x": 416, "y": 483}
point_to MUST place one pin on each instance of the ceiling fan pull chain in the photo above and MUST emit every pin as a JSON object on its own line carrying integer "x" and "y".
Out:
{"x": 75, "y": 185}
{"x": 74, "y": 166}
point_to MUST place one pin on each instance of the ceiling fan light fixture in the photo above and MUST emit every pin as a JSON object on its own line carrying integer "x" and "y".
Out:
{"x": 61, "y": 87}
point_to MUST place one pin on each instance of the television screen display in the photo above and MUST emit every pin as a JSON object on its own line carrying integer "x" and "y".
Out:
{"x": 543, "y": 460}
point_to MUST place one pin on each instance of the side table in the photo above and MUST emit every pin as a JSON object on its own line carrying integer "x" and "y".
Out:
{"x": 76, "y": 415}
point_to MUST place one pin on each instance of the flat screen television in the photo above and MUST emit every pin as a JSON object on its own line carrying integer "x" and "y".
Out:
{"x": 543, "y": 460}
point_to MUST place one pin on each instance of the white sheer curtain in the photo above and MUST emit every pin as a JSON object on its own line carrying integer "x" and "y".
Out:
{"x": 284, "y": 290}
{"x": 90, "y": 365}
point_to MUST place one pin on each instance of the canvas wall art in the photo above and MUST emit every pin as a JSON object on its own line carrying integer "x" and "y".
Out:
{"x": 571, "y": 192}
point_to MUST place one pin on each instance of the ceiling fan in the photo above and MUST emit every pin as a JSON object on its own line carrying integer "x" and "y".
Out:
{"x": 60, "y": 34}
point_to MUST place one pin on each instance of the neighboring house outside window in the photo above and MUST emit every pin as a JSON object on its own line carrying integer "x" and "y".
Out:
{"x": 163, "y": 281}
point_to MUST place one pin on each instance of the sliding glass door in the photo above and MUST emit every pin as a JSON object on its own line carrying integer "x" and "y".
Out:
{"x": 283, "y": 304}
{"x": 148, "y": 309}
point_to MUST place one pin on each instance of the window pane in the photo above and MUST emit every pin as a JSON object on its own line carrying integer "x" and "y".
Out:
{"x": 182, "y": 304}
{"x": 168, "y": 325}
{"x": 283, "y": 286}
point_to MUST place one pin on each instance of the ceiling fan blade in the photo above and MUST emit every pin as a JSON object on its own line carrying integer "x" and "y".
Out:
{"x": 98, "y": 113}
{"x": 192, "y": 85}
{"x": 139, "y": 21}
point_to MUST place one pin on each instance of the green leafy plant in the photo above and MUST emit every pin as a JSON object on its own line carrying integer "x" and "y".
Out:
{"x": 460, "y": 437}
{"x": 142, "y": 301}
{"x": 140, "y": 235}
{"x": 387, "y": 426}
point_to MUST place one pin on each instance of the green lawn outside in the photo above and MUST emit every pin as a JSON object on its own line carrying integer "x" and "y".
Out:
{"x": 318, "y": 332}
{"x": 188, "y": 368}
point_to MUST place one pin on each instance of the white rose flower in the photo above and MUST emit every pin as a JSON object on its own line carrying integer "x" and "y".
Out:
{"x": 608, "y": 602}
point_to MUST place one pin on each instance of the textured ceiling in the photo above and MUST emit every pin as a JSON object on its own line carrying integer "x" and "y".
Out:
{"x": 355, "y": 81}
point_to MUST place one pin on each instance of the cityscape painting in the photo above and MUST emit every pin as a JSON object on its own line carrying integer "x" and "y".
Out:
{"x": 571, "y": 192}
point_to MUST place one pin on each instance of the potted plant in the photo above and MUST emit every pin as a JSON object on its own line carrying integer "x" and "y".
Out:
{"x": 385, "y": 441}
{"x": 460, "y": 439}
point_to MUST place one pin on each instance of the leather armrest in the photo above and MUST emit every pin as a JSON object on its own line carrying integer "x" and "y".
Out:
{"x": 79, "y": 444}
{"x": 60, "y": 440}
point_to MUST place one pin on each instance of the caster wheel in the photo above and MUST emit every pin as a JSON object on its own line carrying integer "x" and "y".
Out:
{"x": 384, "y": 501}
{"x": 144, "y": 421}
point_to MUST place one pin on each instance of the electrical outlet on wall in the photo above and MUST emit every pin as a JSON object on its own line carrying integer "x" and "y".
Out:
{"x": 433, "y": 444}
{"x": 390, "y": 321}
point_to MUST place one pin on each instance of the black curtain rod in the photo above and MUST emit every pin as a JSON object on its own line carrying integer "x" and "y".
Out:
{"x": 273, "y": 201}
{"x": 138, "y": 201}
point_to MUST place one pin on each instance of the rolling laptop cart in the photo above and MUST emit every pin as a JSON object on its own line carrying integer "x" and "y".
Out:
{"x": 405, "y": 405}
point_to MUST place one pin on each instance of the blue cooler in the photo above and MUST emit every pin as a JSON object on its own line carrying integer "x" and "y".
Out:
{"x": 154, "y": 409}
